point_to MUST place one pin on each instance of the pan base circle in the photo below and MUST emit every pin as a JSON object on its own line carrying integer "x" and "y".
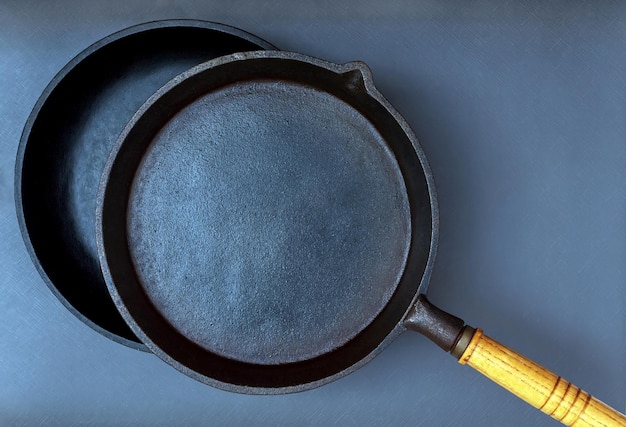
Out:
{"x": 268, "y": 222}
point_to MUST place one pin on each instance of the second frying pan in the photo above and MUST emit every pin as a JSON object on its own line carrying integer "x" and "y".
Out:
{"x": 67, "y": 139}
{"x": 267, "y": 223}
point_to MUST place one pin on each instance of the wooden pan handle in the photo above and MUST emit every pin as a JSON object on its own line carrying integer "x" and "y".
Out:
{"x": 526, "y": 379}
{"x": 536, "y": 385}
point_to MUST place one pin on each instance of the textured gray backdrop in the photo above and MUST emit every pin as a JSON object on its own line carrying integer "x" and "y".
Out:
{"x": 521, "y": 110}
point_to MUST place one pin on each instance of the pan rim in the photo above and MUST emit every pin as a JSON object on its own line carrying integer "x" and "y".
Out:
{"x": 40, "y": 104}
{"x": 100, "y": 232}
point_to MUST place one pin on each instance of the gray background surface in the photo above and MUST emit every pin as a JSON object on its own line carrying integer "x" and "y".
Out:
{"x": 521, "y": 109}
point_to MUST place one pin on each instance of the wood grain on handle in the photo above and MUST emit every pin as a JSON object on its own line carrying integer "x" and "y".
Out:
{"x": 536, "y": 385}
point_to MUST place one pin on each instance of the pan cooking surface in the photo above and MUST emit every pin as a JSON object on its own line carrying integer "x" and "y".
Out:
{"x": 268, "y": 222}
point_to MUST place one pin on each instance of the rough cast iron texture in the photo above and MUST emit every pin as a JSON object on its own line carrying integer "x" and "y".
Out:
{"x": 67, "y": 139}
{"x": 266, "y": 220}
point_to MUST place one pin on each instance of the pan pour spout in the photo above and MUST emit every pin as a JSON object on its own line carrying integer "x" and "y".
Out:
{"x": 528, "y": 380}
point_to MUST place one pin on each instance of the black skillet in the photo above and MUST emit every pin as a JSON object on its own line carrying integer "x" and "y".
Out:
{"x": 67, "y": 139}
{"x": 267, "y": 223}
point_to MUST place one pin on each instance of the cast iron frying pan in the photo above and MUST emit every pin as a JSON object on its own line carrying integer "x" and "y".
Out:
{"x": 267, "y": 223}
